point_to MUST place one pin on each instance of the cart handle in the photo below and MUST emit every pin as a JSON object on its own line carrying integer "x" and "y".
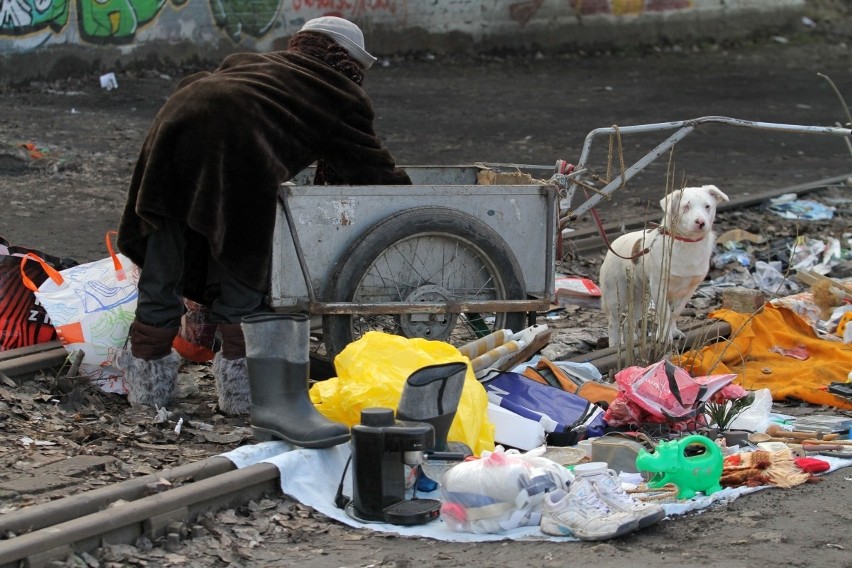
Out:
{"x": 684, "y": 128}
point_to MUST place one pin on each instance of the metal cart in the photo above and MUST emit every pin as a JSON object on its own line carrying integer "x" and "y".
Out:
{"x": 446, "y": 258}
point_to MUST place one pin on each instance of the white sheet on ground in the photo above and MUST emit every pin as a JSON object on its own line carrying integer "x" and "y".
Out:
{"x": 312, "y": 478}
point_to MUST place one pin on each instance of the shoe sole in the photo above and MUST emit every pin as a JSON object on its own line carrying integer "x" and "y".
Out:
{"x": 266, "y": 435}
{"x": 649, "y": 520}
{"x": 553, "y": 528}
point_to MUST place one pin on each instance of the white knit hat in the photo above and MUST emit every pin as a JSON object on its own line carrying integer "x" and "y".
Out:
{"x": 345, "y": 33}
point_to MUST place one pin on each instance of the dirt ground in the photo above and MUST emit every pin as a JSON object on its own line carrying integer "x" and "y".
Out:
{"x": 524, "y": 108}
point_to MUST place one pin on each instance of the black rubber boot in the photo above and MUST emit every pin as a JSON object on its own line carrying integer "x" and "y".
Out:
{"x": 277, "y": 358}
{"x": 432, "y": 394}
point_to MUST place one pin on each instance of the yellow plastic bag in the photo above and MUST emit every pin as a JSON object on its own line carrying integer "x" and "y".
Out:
{"x": 372, "y": 372}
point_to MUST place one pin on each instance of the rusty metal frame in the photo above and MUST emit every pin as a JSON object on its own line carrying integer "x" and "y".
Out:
{"x": 683, "y": 129}
{"x": 378, "y": 308}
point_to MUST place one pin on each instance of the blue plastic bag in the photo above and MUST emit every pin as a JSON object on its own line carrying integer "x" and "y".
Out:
{"x": 566, "y": 412}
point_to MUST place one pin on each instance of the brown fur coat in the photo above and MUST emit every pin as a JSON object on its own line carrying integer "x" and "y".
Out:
{"x": 222, "y": 144}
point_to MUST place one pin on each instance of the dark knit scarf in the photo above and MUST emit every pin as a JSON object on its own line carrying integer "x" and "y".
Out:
{"x": 329, "y": 52}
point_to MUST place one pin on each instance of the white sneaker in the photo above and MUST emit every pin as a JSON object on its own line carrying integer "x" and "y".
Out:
{"x": 608, "y": 486}
{"x": 580, "y": 512}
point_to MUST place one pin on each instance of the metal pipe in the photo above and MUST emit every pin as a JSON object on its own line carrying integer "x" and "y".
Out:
{"x": 589, "y": 240}
{"x": 697, "y": 334}
{"x": 449, "y": 307}
{"x": 551, "y": 193}
{"x": 628, "y": 174}
{"x": 300, "y": 255}
{"x": 684, "y": 128}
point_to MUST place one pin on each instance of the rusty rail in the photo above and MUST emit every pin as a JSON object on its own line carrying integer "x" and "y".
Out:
{"x": 166, "y": 515}
{"x": 31, "y": 359}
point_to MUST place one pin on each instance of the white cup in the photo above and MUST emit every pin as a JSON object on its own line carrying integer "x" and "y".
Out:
{"x": 586, "y": 446}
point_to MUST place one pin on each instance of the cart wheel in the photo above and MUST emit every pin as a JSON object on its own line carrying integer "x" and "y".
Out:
{"x": 425, "y": 254}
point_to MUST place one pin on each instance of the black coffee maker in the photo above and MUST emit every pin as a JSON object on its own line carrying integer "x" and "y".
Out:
{"x": 381, "y": 448}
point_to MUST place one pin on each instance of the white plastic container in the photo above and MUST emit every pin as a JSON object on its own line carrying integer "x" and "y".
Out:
{"x": 513, "y": 430}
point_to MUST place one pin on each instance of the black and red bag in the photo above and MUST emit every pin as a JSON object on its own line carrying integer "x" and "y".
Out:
{"x": 23, "y": 321}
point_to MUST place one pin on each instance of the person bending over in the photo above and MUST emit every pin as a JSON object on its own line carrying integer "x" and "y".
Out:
{"x": 201, "y": 206}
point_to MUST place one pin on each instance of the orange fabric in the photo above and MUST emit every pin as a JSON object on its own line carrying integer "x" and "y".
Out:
{"x": 597, "y": 392}
{"x": 191, "y": 351}
{"x": 536, "y": 375}
{"x": 71, "y": 333}
{"x": 749, "y": 354}
{"x": 544, "y": 365}
{"x": 590, "y": 390}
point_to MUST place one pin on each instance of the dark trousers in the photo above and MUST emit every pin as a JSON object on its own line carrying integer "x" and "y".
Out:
{"x": 161, "y": 284}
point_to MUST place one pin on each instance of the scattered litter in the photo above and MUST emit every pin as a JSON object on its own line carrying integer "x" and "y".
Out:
{"x": 162, "y": 415}
{"x": 33, "y": 150}
{"x": 109, "y": 81}
{"x": 739, "y": 235}
{"x": 27, "y": 441}
{"x": 799, "y": 352}
{"x": 770, "y": 279}
{"x": 739, "y": 256}
{"x": 577, "y": 291}
{"x": 802, "y": 209}
{"x": 816, "y": 255}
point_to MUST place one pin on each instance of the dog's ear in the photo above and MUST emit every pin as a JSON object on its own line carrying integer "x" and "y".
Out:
{"x": 670, "y": 203}
{"x": 716, "y": 193}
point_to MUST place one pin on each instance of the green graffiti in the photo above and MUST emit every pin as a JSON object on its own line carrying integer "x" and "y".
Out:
{"x": 111, "y": 20}
{"x": 24, "y": 16}
{"x": 252, "y": 17}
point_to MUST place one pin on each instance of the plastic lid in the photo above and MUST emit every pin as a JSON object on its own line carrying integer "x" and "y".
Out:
{"x": 377, "y": 416}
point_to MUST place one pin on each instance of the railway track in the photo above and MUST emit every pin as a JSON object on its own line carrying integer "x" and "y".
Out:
{"x": 166, "y": 505}
{"x": 124, "y": 512}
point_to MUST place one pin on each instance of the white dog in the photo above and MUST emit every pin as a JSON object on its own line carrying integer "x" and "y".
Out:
{"x": 660, "y": 267}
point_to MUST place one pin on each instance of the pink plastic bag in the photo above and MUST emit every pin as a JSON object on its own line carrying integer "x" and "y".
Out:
{"x": 662, "y": 393}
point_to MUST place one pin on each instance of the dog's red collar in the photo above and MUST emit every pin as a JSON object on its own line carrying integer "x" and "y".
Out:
{"x": 677, "y": 237}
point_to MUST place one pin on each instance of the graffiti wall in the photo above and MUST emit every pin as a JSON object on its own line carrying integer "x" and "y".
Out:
{"x": 120, "y": 28}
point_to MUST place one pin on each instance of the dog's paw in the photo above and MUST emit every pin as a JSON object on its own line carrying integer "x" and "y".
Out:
{"x": 677, "y": 334}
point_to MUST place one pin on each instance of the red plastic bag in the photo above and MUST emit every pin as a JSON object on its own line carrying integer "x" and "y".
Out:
{"x": 23, "y": 321}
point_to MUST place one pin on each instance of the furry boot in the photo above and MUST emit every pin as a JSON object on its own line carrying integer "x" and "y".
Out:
{"x": 150, "y": 365}
{"x": 229, "y": 370}
{"x": 232, "y": 384}
{"x": 149, "y": 383}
